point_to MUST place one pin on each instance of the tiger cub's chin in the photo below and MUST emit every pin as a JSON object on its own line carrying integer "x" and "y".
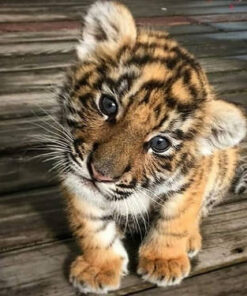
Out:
{"x": 145, "y": 138}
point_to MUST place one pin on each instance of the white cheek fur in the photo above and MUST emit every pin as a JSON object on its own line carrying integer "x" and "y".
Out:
{"x": 81, "y": 189}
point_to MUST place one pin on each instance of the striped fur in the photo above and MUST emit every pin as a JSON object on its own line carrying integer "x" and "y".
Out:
{"x": 160, "y": 89}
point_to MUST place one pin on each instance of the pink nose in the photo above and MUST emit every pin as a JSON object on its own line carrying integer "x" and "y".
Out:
{"x": 98, "y": 176}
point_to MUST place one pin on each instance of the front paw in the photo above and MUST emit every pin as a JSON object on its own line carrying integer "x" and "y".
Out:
{"x": 99, "y": 277}
{"x": 164, "y": 271}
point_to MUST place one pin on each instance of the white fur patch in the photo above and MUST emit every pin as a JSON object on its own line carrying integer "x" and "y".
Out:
{"x": 225, "y": 128}
{"x": 83, "y": 189}
{"x": 135, "y": 204}
{"x": 120, "y": 250}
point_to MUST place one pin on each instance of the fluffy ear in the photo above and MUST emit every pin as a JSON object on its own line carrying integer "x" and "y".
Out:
{"x": 106, "y": 23}
{"x": 225, "y": 127}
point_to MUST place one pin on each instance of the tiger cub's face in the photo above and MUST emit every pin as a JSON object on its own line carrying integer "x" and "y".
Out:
{"x": 139, "y": 110}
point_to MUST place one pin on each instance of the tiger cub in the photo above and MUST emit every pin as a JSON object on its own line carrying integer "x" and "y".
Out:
{"x": 147, "y": 146}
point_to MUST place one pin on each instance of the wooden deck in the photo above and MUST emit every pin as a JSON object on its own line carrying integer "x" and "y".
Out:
{"x": 36, "y": 45}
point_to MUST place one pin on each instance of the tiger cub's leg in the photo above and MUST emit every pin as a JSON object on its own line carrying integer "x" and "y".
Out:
{"x": 164, "y": 254}
{"x": 104, "y": 259}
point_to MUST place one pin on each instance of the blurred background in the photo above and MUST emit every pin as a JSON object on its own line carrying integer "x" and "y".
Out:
{"x": 37, "y": 40}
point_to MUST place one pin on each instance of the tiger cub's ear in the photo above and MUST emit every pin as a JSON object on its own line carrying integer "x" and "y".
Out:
{"x": 108, "y": 24}
{"x": 225, "y": 127}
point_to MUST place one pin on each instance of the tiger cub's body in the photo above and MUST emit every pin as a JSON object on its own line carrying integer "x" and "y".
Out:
{"x": 148, "y": 146}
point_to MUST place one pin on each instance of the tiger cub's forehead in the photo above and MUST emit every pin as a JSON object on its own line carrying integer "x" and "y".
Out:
{"x": 154, "y": 78}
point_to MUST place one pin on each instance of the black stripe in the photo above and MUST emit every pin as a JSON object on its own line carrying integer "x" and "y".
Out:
{"x": 77, "y": 143}
{"x": 74, "y": 158}
{"x": 83, "y": 80}
{"x": 146, "y": 182}
{"x": 75, "y": 124}
{"x": 162, "y": 121}
{"x": 85, "y": 98}
{"x": 170, "y": 63}
{"x": 132, "y": 184}
{"x": 166, "y": 166}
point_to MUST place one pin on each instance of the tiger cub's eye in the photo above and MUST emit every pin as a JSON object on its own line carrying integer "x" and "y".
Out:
{"x": 159, "y": 144}
{"x": 108, "y": 105}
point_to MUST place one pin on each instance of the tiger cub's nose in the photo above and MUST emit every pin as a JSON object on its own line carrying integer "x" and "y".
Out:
{"x": 98, "y": 176}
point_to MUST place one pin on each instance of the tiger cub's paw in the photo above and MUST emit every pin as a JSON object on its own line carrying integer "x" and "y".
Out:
{"x": 164, "y": 271}
{"x": 98, "y": 277}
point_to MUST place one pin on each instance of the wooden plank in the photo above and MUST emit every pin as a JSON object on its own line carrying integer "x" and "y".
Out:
{"x": 37, "y": 62}
{"x": 27, "y": 104}
{"x": 216, "y": 37}
{"x": 23, "y": 171}
{"x": 20, "y": 82}
{"x": 216, "y": 18}
{"x": 216, "y": 48}
{"x": 145, "y": 8}
{"x": 237, "y": 97}
{"x": 177, "y": 3}
{"x": 32, "y": 217}
{"x": 26, "y": 132}
{"x": 226, "y": 281}
{"x": 230, "y": 82}
{"x": 37, "y": 48}
{"x": 39, "y": 26}
{"x": 224, "y": 64}
{"x": 60, "y": 34}
{"x": 236, "y": 26}
{"x": 225, "y": 242}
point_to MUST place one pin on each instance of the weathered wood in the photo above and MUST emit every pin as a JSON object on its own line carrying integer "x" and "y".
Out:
{"x": 226, "y": 281}
{"x": 229, "y": 82}
{"x": 22, "y": 171}
{"x": 237, "y": 97}
{"x": 177, "y": 3}
{"x": 42, "y": 80}
{"x": 51, "y": 35}
{"x": 27, "y": 104}
{"x": 236, "y": 26}
{"x": 225, "y": 241}
{"x": 32, "y": 217}
{"x": 37, "y": 48}
{"x": 216, "y": 37}
{"x": 27, "y": 132}
{"x": 147, "y": 8}
{"x": 216, "y": 18}
{"x": 37, "y": 62}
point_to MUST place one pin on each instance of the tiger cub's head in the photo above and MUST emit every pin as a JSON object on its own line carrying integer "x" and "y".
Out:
{"x": 139, "y": 111}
